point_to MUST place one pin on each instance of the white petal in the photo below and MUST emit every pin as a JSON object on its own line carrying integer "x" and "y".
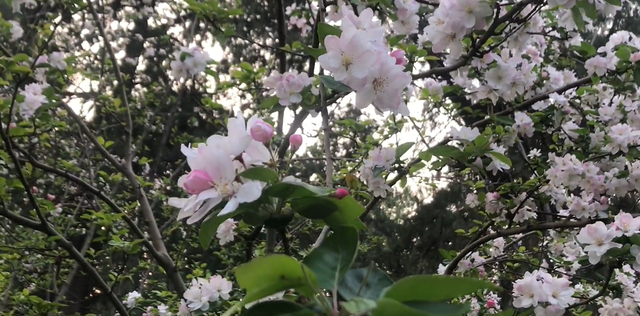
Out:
{"x": 231, "y": 206}
{"x": 204, "y": 210}
{"x": 249, "y": 192}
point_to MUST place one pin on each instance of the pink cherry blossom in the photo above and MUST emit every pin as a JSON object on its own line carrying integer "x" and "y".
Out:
{"x": 261, "y": 131}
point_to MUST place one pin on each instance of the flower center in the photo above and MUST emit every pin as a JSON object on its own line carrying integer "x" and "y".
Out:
{"x": 380, "y": 84}
{"x": 347, "y": 61}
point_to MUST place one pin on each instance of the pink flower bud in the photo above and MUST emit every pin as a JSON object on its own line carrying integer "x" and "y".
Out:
{"x": 51, "y": 197}
{"x": 295, "y": 141}
{"x": 604, "y": 200}
{"x": 494, "y": 195}
{"x": 545, "y": 74}
{"x": 398, "y": 54}
{"x": 34, "y": 190}
{"x": 634, "y": 57}
{"x": 197, "y": 181}
{"x": 341, "y": 193}
{"x": 261, "y": 131}
{"x": 12, "y": 125}
{"x": 482, "y": 273}
{"x": 490, "y": 304}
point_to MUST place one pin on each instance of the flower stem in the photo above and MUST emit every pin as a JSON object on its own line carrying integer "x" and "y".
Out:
{"x": 234, "y": 309}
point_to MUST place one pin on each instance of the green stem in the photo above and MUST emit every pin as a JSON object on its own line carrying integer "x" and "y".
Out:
{"x": 234, "y": 309}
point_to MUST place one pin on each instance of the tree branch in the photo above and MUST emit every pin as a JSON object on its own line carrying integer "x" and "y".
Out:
{"x": 509, "y": 232}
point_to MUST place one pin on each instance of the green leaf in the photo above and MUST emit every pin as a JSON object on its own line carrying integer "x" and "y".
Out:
{"x": 315, "y": 52}
{"x": 348, "y": 213}
{"x": 260, "y": 174}
{"x": 333, "y": 258}
{"x": 325, "y": 29}
{"x": 314, "y": 207}
{"x": 395, "y": 40}
{"x": 614, "y": 2}
{"x": 389, "y": 307}
{"x": 246, "y": 66}
{"x": 359, "y": 306}
{"x": 589, "y": 9}
{"x": 500, "y": 157}
{"x": 269, "y": 102}
{"x": 271, "y": 274}
{"x": 577, "y": 17}
{"x": 624, "y": 53}
{"x": 364, "y": 282}
{"x": 512, "y": 312}
{"x": 210, "y": 226}
{"x": 403, "y": 148}
{"x": 440, "y": 308}
{"x": 279, "y": 308}
{"x": 291, "y": 190}
{"x": 435, "y": 288}
{"x": 635, "y": 239}
{"x": 636, "y": 75}
{"x": 332, "y": 84}
{"x": 588, "y": 49}
{"x": 444, "y": 151}
{"x": 18, "y": 58}
{"x": 20, "y": 69}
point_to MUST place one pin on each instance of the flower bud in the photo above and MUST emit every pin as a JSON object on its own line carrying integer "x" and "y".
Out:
{"x": 197, "y": 181}
{"x": 341, "y": 193}
{"x": 34, "y": 190}
{"x": 398, "y": 54}
{"x": 12, "y": 125}
{"x": 51, "y": 197}
{"x": 261, "y": 131}
{"x": 604, "y": 200}
{"x": 490, "y": 304}
{"x": 295, "y": 141}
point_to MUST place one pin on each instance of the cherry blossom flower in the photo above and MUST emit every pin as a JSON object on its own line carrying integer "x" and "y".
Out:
{"x": 598, "y": 238}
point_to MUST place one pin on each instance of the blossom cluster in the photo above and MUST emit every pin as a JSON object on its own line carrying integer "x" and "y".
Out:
{"x": 541, "y": 287}
{"x": 380, "y": 159}
{"x": 208, "y": 184}
{"x": 288, "y": 86}
{"x": 189, "y": 62}
{"x": 203, "y": 292}
{"x": 360, "y": 59}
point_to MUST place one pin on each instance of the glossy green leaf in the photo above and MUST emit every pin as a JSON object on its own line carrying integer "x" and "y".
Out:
{"x": 389, "y": 307}
{"x": 325, "y": 29}
{"x": 348, "y": 213}
{"x": 333, "y": 258}
{"x": 364, "y": 282}
{"x": 279, "y": 308}
{"x": 260, "y": 174}
{"x": 403, "y": 148}
{"x": 332, "y": 84}
{"x": 314, "y": 207}
{"x": 440, "y": 308}
{"x": 359, "y": 306}
{"x": 435, "y": 288}
{"x": 271, "y": 274}
{"x": 291, "y": 190}
{"x": 512, "y": 312}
